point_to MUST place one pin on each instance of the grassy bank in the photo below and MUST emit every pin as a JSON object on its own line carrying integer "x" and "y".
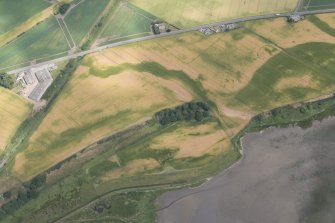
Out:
{"x": 302, "y": 115}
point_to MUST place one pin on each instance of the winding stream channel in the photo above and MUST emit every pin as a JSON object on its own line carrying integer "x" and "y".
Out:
{"x": 286, "y": 175}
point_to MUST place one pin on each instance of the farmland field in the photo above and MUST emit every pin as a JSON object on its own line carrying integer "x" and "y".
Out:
{"x": 66, "y": 33}
{"x": 302, "y": 71}
{"x": 224, "y": 80}
{"x": 81, "y": 19}
{"x": 187, "y": 68}
{"x": 126, "y": 22}
{"x": 261, "y": 66}
{"x": 195, "y": 12}
{"x": 43, "y": 40}
{"x": 131, "y": 163}
{"x": 317, "y": 4}
{"x": 13, "y": 110}
{"x": 92, "y": 106}
{"x": 9, "y": 20}
{"x": 18, "y": 30}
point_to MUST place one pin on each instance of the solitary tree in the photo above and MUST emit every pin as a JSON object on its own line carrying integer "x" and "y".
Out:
{"x": 63, "y": 8}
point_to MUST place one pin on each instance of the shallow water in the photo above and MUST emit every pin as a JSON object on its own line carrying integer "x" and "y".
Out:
{"x": 286, "y": 175}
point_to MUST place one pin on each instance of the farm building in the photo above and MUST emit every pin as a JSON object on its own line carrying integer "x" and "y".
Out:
{"x": 295, "y": 18}
{"x": 44, "y": 81}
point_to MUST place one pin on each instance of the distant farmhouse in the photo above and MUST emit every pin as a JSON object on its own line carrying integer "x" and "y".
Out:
{"x": 158, "y": 28}
{"x": 295, "y": 18}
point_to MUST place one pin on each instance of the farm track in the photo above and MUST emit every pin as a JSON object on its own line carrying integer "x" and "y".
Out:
{"x": 140, "y": 39}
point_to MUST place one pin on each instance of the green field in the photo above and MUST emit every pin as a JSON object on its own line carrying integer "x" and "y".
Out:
{"x": 67, "y": 34}
{"x": 13, "y": 13}
{"x": 127, "y": 22}
{"x": 43, "y": 40}
{"x": 82, "y": 18}
{"x": 307, "y": 69}
{"x": 189, "y": 13}
{"x": 317, "y": 4}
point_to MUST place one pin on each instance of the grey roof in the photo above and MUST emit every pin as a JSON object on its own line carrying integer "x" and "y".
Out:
{"x": 44, "y": 81}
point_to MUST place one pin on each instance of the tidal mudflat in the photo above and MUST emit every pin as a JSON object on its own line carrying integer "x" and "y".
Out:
{"x": 286, "y": 175}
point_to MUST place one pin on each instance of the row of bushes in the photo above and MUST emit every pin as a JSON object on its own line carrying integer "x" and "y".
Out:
{"x": 302, "y": 115}
{"x": 192, "y": 111}
{"x": 61, "y": 80}
{"x": 28, "y": 192}
{"x": 290, "y": 113}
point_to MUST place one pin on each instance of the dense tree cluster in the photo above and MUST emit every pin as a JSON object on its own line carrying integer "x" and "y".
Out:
{"x": 6, "y": 81}
{"x": 63, "y": 8}
{"x": 192, "y": 111}
{"x": 24, "y": 195}
{"x": 7, "y": 195}
{"x": 37, "y": 182}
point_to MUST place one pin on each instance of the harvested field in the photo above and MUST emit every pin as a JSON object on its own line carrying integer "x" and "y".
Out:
{"x": 13, "y": 111}
{"x": 198, "y": 57}
{"x": 193, "y": 141}
{"x": 189, "y": 13}
{"x": 216, "y": 62}
{"x": 287, "y": 35}
{"x": 328, "y": 18}
{"x": 91, "y": 107}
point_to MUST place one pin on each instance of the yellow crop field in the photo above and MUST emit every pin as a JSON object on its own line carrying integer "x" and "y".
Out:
{"x": 287, "y": 35}
{"x": 194, "y": 141}
{"x": 226, "y": 63}
{"x": 188, "y": 13}
{"x": 92, "y": 107}
{"x": 13, "y": 110}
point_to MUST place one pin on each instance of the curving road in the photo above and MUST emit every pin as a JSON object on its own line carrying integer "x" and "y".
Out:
{"x": 196, "y": 28}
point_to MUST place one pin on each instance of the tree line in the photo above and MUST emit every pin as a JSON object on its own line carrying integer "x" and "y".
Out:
{"x": 6, "y": 81}
{"x": 192, "y": 111}
{"x": 25, "y": 194}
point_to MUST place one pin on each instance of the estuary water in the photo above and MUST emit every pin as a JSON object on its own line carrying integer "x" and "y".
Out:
{"x": 286, "y": 175}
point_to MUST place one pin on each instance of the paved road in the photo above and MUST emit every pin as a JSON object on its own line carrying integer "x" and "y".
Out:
{"x": 125, "y": 42}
